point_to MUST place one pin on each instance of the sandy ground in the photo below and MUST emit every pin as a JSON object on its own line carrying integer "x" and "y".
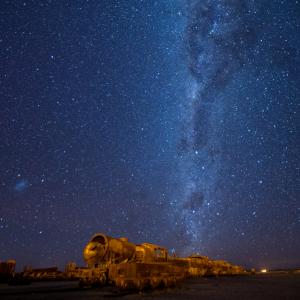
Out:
{"x": 278, "y": 286}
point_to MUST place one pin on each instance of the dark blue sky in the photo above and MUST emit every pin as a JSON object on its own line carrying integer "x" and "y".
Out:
{"x": 172, "y": 122}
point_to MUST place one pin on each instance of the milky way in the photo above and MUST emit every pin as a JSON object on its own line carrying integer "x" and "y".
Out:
{"x": 221, "y": 41}
{"x": 219, "y": 36}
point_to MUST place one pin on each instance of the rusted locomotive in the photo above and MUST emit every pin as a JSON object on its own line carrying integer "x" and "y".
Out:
{"x": 125, "y": 265}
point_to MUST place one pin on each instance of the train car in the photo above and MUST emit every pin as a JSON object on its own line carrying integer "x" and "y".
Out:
{"x": 42, "y": 274}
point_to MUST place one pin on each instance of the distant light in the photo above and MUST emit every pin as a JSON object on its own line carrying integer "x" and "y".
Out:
{"x": 263, "y": 270}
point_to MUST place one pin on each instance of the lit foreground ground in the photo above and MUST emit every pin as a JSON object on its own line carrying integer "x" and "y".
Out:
{"x": 265, "y": 286}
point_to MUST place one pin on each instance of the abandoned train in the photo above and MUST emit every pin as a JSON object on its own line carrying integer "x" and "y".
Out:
{"x": 121, "y": 263}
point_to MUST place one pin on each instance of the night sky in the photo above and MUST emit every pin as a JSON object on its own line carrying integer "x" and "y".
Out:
{"x": 171, "y": 122}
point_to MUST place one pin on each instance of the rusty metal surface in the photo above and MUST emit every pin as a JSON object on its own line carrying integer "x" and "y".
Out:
{"x": 103, "y": 249}
{"x": 118, "y": 262}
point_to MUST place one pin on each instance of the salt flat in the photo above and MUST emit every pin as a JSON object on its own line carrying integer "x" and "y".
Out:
{"x": 267, "y": 286}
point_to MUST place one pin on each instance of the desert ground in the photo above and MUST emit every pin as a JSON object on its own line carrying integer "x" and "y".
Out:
{"x": 261, "y": 286}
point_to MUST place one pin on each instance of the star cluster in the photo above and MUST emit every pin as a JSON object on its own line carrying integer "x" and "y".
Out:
{"x": 172, "y": 122}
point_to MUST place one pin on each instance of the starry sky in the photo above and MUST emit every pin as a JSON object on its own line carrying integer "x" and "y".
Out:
{"x": 174, "y": 122}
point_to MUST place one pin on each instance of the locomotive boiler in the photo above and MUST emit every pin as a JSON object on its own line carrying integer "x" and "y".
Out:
{"x": 102, "y": 250}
